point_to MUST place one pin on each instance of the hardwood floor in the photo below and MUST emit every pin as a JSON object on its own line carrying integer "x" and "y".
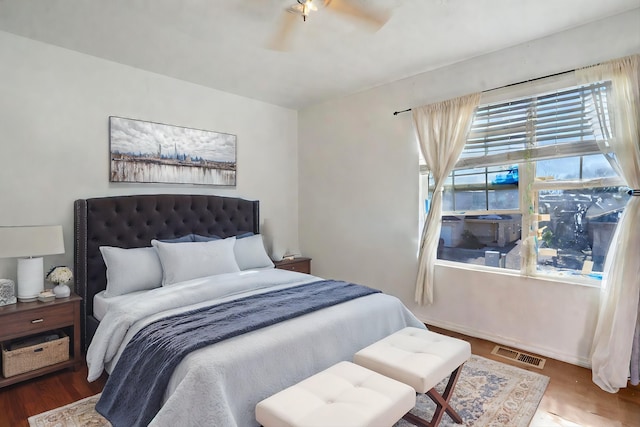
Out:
{"x": 20, "y": 401}
{"x": 571, "y": 396}
{"x": 570, "y": 399}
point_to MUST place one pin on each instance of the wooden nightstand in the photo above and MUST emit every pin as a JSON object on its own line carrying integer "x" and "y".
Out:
{"x": 28, "y": 318}
{"x": 300, "y": 264}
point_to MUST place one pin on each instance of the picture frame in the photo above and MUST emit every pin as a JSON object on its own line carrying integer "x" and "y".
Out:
{"x": 149, "y": 152}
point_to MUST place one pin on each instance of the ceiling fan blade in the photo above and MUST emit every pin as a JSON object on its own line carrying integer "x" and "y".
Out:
{"x": 282, "y": 36}
{"x": 375, "y": 19}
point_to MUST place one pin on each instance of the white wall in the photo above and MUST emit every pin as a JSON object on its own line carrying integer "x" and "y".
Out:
{"x": 54, "y": 141}
{"x": 359, "y": 196}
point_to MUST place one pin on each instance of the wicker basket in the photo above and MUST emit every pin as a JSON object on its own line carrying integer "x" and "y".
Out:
{"x": 34, "y": 357}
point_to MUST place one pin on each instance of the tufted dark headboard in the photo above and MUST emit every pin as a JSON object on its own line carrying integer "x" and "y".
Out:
{"x": 133, "y": 221}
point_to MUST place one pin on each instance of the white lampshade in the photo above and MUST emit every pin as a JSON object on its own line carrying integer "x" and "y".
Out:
{"x": 29, "y": 243}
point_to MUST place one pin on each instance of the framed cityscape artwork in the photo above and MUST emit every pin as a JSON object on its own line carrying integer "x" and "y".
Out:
{"x": 144, "y": 151}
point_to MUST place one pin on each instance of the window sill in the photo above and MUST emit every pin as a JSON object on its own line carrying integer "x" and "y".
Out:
{"x": 566, "y": 279}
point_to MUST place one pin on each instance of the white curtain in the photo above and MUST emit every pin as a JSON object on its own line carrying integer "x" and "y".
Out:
{"x": 442, "y": 132}
{"x": 619, "y": 300}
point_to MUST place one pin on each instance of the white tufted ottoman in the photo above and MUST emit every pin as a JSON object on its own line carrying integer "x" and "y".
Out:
{"x": 421, "y": 359}
{"x": 345, "y": 395}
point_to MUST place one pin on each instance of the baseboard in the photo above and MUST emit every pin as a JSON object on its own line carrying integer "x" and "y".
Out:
{"x": 542, "y": 351}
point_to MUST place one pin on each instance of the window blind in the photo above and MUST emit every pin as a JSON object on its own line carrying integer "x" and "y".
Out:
{"x": 553, "y": 125}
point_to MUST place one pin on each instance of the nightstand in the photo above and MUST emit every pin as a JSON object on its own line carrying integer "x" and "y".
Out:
{"x": 299, "y": 264}
{"x": 28, "y": 318}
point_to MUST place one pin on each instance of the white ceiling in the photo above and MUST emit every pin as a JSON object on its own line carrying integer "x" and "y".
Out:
{"x": 221, "y": 43}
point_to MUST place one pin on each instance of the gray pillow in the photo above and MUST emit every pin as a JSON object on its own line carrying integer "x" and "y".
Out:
{"x": 130, "y": 270}
{"x": 186, "y": 261}
{"x": 181, "y": 239}
{"x": 199, "y": 238}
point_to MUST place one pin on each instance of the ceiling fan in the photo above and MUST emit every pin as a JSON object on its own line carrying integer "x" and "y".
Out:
{"x": 352, "y": 9}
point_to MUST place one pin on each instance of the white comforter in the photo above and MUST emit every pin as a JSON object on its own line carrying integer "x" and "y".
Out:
{"x": 220, "y": 385}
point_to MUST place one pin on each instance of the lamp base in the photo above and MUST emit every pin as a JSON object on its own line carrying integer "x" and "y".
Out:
{"x": 30, "y": 278}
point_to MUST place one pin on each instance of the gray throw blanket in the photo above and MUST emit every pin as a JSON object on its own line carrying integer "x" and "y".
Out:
{"x": 134, "y": 391}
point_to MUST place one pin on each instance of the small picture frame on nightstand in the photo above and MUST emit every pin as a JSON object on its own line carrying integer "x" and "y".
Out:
{"x": 7, "y": 292}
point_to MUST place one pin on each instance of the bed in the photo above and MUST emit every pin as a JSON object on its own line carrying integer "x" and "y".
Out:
{"x": 218, "y": 384}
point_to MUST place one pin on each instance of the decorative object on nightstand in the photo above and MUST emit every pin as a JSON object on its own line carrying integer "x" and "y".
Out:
{"x": 28, "y": 244}
{"x": 60, "y": 275}
{"x": 7, "y": 292}
{"x": 46, "y": 296}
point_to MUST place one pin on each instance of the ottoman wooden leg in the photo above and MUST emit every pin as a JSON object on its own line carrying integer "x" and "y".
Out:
{"x": 442, "y": 404}
{"x": 421, "y": 359}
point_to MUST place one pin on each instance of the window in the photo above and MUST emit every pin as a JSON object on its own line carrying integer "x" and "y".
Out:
{"x": 532, "y": 190}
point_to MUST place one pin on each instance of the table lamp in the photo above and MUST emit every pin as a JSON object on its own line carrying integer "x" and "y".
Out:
{"x": 28, "y": 244}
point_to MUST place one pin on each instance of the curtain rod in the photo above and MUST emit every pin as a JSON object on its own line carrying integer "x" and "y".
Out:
{"x": 395, "y": 113}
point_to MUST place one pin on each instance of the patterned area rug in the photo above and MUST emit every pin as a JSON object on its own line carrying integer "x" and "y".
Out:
{"x": 488, "y": 393}
{"x": 77, "y": 414}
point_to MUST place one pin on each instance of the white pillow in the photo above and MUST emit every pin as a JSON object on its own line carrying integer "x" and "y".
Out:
{"x": 185, "y": 261}
{"x": 250, "y": 253}
{"x": 130, "y": 270}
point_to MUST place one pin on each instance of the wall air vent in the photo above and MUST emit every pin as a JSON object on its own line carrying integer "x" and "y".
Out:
{"x": 518, "y": 356}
